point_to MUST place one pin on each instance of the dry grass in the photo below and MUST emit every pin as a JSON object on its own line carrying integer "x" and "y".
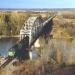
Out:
{"x": 69, "y": 15}
{"x": 35, "y": 68}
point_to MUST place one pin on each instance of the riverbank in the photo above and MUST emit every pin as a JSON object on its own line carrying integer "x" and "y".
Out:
{"x": 7, "y": 36}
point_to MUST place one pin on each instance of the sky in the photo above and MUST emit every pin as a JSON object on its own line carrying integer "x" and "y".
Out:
{"x": 37, "y": 3}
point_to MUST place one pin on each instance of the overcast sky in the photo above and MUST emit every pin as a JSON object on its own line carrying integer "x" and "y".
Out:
{"x": 37, "y": 3}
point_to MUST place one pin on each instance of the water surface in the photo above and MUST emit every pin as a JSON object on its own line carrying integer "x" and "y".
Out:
{"x": 6, "y": 44}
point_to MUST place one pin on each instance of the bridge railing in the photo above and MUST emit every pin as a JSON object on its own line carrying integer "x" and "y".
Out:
{"x": 39, "y": 33}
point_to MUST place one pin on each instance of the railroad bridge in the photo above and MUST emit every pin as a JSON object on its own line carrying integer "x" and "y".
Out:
{"x": 32, "y": 29}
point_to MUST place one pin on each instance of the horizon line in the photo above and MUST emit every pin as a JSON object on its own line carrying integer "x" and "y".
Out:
{"x": 37, "y": 8}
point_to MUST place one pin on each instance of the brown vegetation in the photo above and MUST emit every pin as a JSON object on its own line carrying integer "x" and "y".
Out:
{"x": 61, "y": 50}
{"x": 68, "y": 15}
{"x": 63, "y": 27}
{"x": 11, "y": 22}
{"x": 35, "y": 68}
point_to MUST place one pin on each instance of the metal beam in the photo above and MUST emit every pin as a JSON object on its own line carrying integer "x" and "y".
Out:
{"x": 41, "y": 31}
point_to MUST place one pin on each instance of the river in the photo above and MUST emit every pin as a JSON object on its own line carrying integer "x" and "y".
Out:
{"x": 6, "y": 44}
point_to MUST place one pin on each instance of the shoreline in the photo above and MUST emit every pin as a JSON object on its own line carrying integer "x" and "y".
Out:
{"x": 12, "y": 36}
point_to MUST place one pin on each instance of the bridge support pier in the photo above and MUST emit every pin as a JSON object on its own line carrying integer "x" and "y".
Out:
{"x": 30, "y": 55}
